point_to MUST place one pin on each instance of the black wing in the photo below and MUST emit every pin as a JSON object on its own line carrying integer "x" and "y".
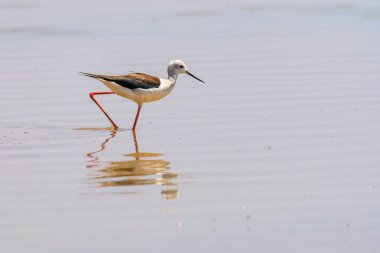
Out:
{"x": 131, "y": 81}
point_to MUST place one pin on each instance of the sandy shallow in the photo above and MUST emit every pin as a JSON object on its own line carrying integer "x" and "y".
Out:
{"x": 278, "y": 152}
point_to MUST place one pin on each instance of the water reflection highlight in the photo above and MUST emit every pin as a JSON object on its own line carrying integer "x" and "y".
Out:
{"x": 136, "y": 169}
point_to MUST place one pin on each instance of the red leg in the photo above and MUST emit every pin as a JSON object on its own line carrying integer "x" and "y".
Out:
{"x": 137, "y": 117}
{"x": 92, "y": 96}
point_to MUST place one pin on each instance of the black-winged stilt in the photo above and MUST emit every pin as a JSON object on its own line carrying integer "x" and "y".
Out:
{"x": 139, "y": 87}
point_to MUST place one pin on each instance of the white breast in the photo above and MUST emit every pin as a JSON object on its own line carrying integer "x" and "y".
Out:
{"x": 141, "y": 96}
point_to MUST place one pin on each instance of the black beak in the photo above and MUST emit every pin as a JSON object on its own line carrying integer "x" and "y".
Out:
{"x": 187, "y": 72}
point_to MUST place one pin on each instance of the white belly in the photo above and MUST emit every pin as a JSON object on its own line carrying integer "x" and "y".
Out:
{"x": 141, "y": 96}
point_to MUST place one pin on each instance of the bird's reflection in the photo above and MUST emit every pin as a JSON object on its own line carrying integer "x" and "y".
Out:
{"x": 138, "y": 168}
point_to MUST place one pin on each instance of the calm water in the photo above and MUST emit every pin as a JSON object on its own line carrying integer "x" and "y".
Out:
{"x": 278, "y": 152}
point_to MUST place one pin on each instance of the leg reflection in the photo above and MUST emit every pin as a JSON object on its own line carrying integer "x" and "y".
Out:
{"x": 135, "y": 169}
{"x": 94, "y": 159}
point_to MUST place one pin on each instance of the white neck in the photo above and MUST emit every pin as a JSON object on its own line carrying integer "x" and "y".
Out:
{"x": 173, "y": 78}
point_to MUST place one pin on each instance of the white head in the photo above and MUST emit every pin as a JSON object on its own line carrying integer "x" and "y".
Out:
{"x": 177, "y": 67}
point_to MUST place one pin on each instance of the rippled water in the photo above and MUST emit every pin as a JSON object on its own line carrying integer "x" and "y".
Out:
{"x": 278, "y": 151}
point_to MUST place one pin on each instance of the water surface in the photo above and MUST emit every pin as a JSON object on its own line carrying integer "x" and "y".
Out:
{"x": 279, "y": 151}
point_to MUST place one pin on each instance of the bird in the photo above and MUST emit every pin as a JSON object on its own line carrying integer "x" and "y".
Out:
{"x": 139, "y": 87}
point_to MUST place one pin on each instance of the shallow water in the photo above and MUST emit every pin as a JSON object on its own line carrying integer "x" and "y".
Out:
{"x": 278, "y": 151}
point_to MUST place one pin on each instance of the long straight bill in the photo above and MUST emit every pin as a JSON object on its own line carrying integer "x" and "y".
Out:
{"x": 187, "y": 72}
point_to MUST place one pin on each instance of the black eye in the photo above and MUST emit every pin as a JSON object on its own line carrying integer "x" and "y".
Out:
{"x": 181, "y": 67}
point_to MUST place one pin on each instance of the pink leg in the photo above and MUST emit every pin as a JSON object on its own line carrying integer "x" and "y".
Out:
{"x": 92, "y": 96}
{"x": 137, "y": 117}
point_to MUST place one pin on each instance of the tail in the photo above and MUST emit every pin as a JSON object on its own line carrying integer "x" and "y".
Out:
{"x": 90, "y": 75}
